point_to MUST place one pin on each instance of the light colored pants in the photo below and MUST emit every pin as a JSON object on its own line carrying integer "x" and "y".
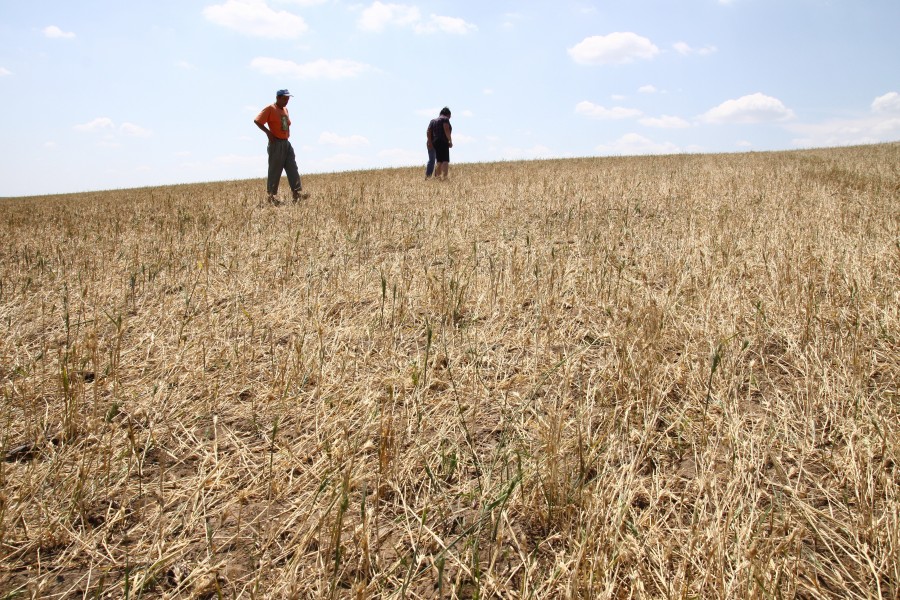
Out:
{"x": 282, "y": 158}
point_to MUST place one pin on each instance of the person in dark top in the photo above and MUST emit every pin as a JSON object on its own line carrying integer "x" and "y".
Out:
{"x": 439, "y": 141}
{"x": 429, "y": 144}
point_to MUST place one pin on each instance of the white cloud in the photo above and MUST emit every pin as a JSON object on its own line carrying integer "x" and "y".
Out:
{"x": 334, "y": 139}
{"x": 183, "y": 64}
{"x": 632, "y": 143}
{"x": 487, "y": 92}
{"x": 664, "y": 122}
{"x": 133, "y": 130}
{"x": 595, "y": 111}
{"x": 318, "y": 69}
{"x": 510, "y": 19}
{"x": 452, "y": 25}
{"x": 615, "y": 48}
{"x": 686, "y": 50}
{"x": 755, "y": 108}
{"x": 682, "y": 48}
{"x": 55, "y": 32}
{"x": 105, "y": 124}
{"x": 98, "y": 124}
{"x": 647, "y": 89}
{"x": 889, "y": 103}
{"x": 4, "y": 72}
{"x": 255, "y": 17}
{"x": 379, "y": 16}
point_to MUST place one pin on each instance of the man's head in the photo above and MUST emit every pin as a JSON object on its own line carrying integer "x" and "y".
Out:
{"x": 445, "y": 112}
{"x": 282, "y": 97}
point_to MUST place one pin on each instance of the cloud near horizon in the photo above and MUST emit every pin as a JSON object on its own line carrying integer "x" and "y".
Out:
{"x": 536, "y": 151}
{"x": 633, "y": 144}
{"x": 881, "y": 125}
{"x": 351, "y": 141}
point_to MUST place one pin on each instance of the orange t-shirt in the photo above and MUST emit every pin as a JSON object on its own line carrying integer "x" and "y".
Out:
{"x": 277, "y": 119}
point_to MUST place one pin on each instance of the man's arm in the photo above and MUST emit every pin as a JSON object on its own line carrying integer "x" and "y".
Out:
{"x": 264, "y": 129}
{"x": 447, "y": 134}
{"x": 428, "y": 138}
{"x": 260, "y": 121}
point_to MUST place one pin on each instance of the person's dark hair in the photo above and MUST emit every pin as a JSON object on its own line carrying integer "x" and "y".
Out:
{"x": 445, "y": 112}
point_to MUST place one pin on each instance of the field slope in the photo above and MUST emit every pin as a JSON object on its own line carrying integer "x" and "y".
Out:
{"x": 660, "y": 377}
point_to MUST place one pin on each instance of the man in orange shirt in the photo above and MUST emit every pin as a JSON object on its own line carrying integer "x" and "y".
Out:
{"x": 275, "y": 122}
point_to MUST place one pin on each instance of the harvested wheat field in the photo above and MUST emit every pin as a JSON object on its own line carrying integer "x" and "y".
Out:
{"x": 660, "y": 377}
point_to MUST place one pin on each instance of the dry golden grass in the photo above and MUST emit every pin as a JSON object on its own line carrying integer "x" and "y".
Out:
{"x": 666, "y": 377}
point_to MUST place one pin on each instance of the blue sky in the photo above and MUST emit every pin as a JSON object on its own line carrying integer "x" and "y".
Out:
{"x": 102, "y": 94}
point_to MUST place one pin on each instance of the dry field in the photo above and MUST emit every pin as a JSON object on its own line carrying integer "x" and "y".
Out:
{"x": 661, "y": 377}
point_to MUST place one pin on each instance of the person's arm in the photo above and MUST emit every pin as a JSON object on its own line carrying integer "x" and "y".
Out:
{"x": 264, "y": 129}
{"x": 447, "y": 134}
{"x": 260, "y": 121}
{"x": 428, "y": 138}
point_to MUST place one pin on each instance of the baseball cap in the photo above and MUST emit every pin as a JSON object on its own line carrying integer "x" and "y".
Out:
{"x": 283, "y": 93}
